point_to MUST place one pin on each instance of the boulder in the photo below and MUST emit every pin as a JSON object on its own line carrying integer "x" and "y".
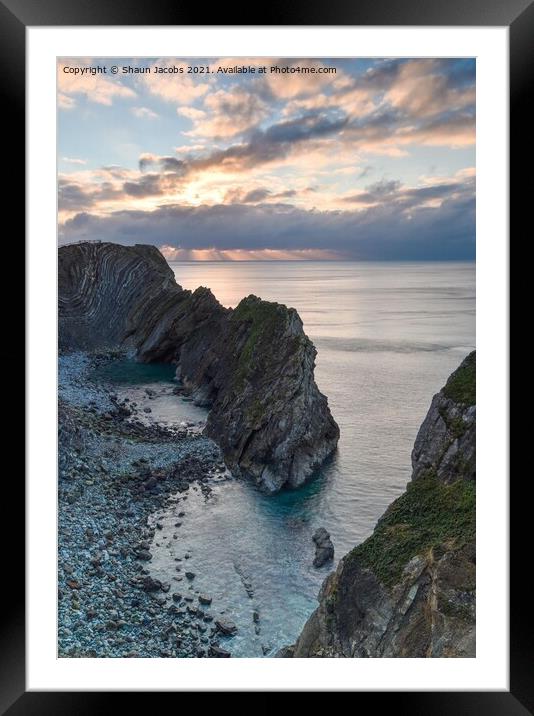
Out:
{"x": 324, "y": 548}
{"x": 226, "y": 626}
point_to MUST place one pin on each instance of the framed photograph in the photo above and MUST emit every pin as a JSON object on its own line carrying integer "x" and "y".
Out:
{"x": 261, "y": 263}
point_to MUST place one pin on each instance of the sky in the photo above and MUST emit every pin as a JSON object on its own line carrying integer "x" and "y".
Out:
{"x": 319, "y": 159}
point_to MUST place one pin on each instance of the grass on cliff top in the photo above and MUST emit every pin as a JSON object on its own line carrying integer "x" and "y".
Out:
{"x": 462, "y": 384}
{"x": 264, "y": 317}
{"x": 428, "y": 514}
{"x": 256, "y": 310}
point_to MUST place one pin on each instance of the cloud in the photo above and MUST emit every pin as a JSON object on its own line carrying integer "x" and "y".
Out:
{"x": 191, "y": 113}
{"x": 76, "y": 196}
{"x": 403, "y": 198}
{"x": 73, "y": 160}
{"x": 255, "y": 196}
{"x": 425, "y": 88}
{"x": 177, "y": 254}
{"x": 65, "y": 102}
{"x": 293, "y": 85}
{"x": 381, "y": 232}
{"x": 262, "y": 146}
{"x": 225, "y": 114}
{"x": 144, "y": 113}
{"x": 177, "y": 87}
{"x": 94, "y": 87}
{"x": 273, "y": 166}
{"x": 147, "y": 185}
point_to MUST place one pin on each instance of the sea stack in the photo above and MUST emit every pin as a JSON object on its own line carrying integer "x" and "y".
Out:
{"x": 252, "y": 367}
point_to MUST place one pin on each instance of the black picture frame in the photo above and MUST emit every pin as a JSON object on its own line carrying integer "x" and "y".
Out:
{"x": 15, "y": 17}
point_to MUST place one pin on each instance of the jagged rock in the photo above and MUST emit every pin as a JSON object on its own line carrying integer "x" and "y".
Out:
{"x": 446, "y": 441}
{"x": 409, "y": 590}
{"x": 324, "y": 549}
{"x": 253, "y": 366}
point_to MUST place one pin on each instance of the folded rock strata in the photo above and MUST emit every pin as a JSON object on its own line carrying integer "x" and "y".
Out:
{"x": 252, "y": 366}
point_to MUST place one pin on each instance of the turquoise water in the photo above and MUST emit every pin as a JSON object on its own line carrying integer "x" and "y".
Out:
{"x": 150, "y": 385}
{"x": 127, "y": 371}
{"x": 388, "y": 335}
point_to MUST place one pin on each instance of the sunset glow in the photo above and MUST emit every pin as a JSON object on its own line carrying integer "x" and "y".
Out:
{"x": 374, "y": 160}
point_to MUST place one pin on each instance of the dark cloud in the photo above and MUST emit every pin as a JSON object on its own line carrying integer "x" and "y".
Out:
{"x": 270, "y": 144}
{"x": 376, "y": 192}
{"x": 148, "y": 185}
{"x": 260, "y": 147}
{"x": 386, "y": 124}
{"x": 171, "y": 164}
{"x": 406, "y": 197}
{"x": 385, "y": 221}
{"x": 75, "y": 197}
{"x": 289, "y": 193}
{"x": 382, "y": 232}
{"x": 165, "y": 164}
{"x": 255, "y": 196}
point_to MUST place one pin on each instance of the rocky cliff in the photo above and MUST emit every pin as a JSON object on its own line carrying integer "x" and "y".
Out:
{"x": 252, "y": 366}
{"x": 409, "y": 590}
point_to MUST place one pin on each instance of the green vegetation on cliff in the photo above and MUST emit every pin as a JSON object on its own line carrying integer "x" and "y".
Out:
{"x": 461, "y": 385}
{"x": 263, "y": 317}
{"x": 267, "y": 321}
{"x": 428, "y": 514}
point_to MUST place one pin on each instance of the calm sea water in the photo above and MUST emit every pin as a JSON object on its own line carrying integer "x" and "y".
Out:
{"x": 387, "y": 336}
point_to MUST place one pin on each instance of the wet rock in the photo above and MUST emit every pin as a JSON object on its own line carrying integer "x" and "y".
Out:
{"x": 144, "y": 555}
{"x": 218, "y": 653}
{"x": 226, "y": 626}
{"x": 151, "y": 585}
{"x": 324, "y": 549}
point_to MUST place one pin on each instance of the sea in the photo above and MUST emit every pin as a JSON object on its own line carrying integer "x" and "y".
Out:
{"x": 387, "y": 336}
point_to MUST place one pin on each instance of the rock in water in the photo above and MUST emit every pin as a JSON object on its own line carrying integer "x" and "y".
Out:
{"x": 225, "y": 626}
{"x": 409, "y": 590}
{"x": 324, "y": 549}
{"x": 253, "y": 366}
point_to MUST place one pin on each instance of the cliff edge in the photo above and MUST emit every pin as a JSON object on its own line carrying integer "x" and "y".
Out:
{"x": 409, "y": 590}
{"x": 252, "y": 367}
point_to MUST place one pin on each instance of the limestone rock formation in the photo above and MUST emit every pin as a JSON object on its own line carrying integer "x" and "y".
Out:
{"x": 409, "y": 590}
{"x": 252, "y": 366}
